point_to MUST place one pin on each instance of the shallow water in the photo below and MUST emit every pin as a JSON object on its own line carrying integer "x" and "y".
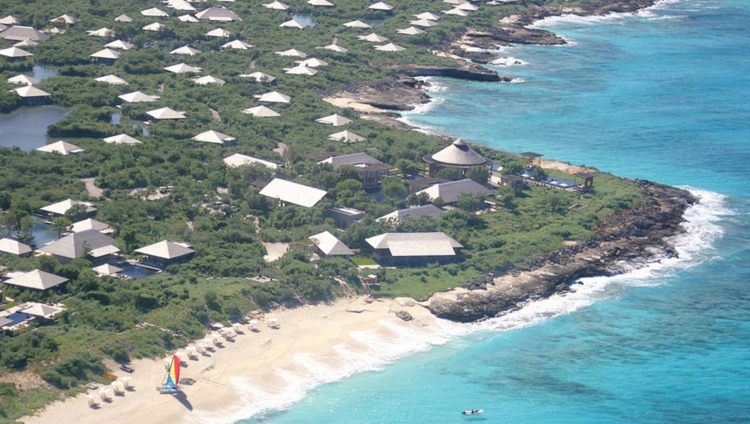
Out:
{"x": 26, "y": 128}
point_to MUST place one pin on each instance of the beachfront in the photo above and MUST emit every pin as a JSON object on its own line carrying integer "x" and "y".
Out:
{"x": 249, "y": 368}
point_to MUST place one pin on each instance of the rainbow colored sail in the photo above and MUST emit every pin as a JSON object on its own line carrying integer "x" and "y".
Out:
{"x": 173, "y": 376}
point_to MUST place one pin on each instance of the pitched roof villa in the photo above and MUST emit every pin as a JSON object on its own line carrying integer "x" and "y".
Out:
{"x": 371, "y": 170}
{"x": 410, "y": 249}
{"x": 415, "y": 212}
{"x": 78, "y": 245}
{"x": 329, "y": 245}
{"x": 166, "y": 252}
{"x": 290, "y": 192}
{"x": 452, "y": 190}
{"x": 37, "y": 280}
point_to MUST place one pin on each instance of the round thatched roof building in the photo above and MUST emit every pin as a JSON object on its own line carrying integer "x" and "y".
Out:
{"x": 457, "y": 155}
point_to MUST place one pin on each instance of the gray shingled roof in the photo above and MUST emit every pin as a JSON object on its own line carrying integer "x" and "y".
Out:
{"x": 37, "y": 279}
{"x": 451, "y": 191}
{"x": 74, "y": 245}
{"x": 354, "y": 159}
{"x": 14, "y": 247}
{"x": 403, "y": 214}
{"x": 291, "y": 192}
{"x": 20, "y": 33}
{"x": 166, "y": 250}
{"x": 330, "y": 245}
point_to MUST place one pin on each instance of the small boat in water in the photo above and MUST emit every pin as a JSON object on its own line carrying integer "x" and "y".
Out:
{"x": 472, "y": 411}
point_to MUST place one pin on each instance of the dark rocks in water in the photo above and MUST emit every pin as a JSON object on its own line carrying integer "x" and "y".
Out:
{"x": 398, "y": 94}
{"x": 465, "y": 71}
{"x": 638, "y": 237}
{"x": 404, "y": 315}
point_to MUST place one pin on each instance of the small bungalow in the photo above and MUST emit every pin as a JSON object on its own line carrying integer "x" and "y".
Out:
{"x": 328, "y": 246}
{"x": 273, "y": 97}
{"x": 418, "y": 184}
{"x": 357, "y": 24}
{"x": 122, "y": 139}
{"x": 220, "y": 13}
{"x": 22, "y": 33}
{"x": 21, "y": 315}
{"x": 382, "y": 6}
{"x": 238, "y": 159}
{"x": 188, "y": 18}
{"x": 32, "y": 95}
{"x": 219, "y": 33}
{"x": 138, "y": 97}
{"x": 259, "y": 77}
{"x": 452, "y": 190}
{"x": 344, "y": 217}
{"x": 166, "y": 113}
{"x": 292, "y": 53}
{"x": 111, "y": 79}
{"x": 261, "y": 112}
{"x": 36, "y": 280}
{"x": 458, "y": 155}
{"x": 293, "y": 24}
{"x": 107, "y": 269}
{"x": 22, "y": 79}
{"x": 346, "y": 136}
{"x": 290, "y": 192}
{"x": 154, "y": 13}
{"x": 410, "y": 31}
{"x": 185, "y": 50}
{"x": 335, "y": 47}
{"x": 14, "y": 247}
{"x": 97, "y": 246}
{"x": 14, "y": 53}
{"x": 237, "y": 44}
{"x": 61, "y": 148}
{"x": 415, "y": 212}
{"x": 215, "y": 137}
{"x": 60, "y": 208}
{"x": 373, "y": 38}
{"x": 276, "y": 5}
{"x": 65, "y": 19}
{"x": 182, "y": 68}
{"x": 514, "y": 182}
{"x": 106, "y": 56}
{"x": 156, "y": 27}
{"x": 371, "y": 170}
{"x": 101, "y": 32}
{"x": 414, "y": 249}
{"x": 390, "y": 47}
{"x": 166, "y": 253}
{"x": 123, "y": 18}
{"x": 335, "y": 120}
{"x": 209, "y": 79}
{"x": 119, "y": 44}
{"x": 91, "y": 224}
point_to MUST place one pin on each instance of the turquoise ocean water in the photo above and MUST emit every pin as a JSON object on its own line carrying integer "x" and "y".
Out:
{"x": 662, "y": 95}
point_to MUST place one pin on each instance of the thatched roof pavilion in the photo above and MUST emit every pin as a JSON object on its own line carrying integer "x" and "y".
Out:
{"x": 457, "y": 155}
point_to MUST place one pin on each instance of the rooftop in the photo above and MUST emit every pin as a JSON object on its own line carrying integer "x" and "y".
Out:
{"x": 416, "y": 244}
{"x": 37, "y": 279}
{"x": 294, "y": 193}
{"x": 451, "y": 191}
{"x": 76, "y": 245}
{"x": 166, "y": 250}
{"x": 330, "y": 245}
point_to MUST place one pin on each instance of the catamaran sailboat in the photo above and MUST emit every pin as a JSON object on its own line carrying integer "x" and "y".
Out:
{"x": 172, "y": 381}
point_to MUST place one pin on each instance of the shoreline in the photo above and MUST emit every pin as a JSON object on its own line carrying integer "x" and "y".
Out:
{"x": 260, "y": 359}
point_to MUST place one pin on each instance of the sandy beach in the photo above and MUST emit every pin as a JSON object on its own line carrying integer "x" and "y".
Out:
{"x": 247, "y": 372}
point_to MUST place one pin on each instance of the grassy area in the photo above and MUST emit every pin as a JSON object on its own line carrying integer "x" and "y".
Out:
{"x": 362, "y": 261}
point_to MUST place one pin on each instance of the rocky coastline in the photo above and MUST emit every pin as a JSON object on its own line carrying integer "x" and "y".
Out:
{"x": 635, "y": 238}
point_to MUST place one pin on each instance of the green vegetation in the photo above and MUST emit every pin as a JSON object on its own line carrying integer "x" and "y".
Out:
{"x": 124, "y": 319}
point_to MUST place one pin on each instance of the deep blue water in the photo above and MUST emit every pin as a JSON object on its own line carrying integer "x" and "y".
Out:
{"x": 663, "y": 95}
{"x": 27, "y": 127}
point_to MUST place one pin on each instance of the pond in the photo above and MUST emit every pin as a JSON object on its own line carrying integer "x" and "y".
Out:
{"x": 26, "y": 128}
{"x": 376, "y": 22}
{"x": 42, "y": 233}
{"x": 136, "y": 271}
{"x": 304, "y": 18}
{"x": 42, "y": 72}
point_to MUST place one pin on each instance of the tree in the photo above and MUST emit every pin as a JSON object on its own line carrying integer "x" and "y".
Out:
{"x": 469, "y": 203}
{"x": 407, "y": 167}
{"x": 479, "y": 174}
{"x": 539, "y": 173}
{"x": 453, "y": 174}
{"x": 60, "y": 224}
{"x": 439, "y": 202}
{"x": 393, "y": 187}
{"x": 512, "y": 168}
{"x": 5, "y": 200}
{"x": 76, "y": 213}
{"x": 349, "y": 172}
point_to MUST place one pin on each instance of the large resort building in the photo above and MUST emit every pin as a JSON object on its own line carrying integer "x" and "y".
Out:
{"x": 458, "y": 155}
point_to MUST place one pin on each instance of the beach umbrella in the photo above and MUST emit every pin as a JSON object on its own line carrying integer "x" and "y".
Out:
{"x": 104, "y": 393}
{"x": 253, "y": 324}
{"x": 91, "y": 398}
{"x": 203, "y": 346}
{"x": 116, "y": 386}
{"x": 126, "y": 381}
{"x": 236, "y": 325}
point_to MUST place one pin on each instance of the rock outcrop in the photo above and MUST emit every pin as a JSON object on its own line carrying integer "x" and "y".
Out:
{"x": 636, "y": 238}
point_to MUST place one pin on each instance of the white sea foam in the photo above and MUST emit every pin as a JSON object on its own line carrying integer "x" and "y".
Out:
{"x": 372, "y": 350}
{"x": 509, "y": 61}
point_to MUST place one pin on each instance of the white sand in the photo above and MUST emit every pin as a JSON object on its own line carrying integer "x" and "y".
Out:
{"x": 252, "y": 357}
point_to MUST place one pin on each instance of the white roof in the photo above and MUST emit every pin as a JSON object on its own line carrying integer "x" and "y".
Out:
{"x": 258, "y": 76}
{"x": 65, "y": 18}
{"x": 357, "y": 24}
{"x": 121, "y": 139}
{"x": 428, "y": 15}
{"x": 415, "y": 244}
{"x": 237, "y": 44}
{"x": 60, "y": 147}
{"x": 91, "y": 224}
{"x": 313, "y": 62}
{"x": 101, "y": 32}
{"x": 31, "y": 91}
{"x": 221, "y": 14}
{"x": 154, "y": 12}
{"x": 336, "y": 120}
{"x": 455, "y": 1}
{"x": 188, "y": 18}
{"x": 181, "y": 5}
{"x": 335, "y": 47}
{"x": 112, "y": 79}
{"x": 373, "y": 38}
{"x": 239, "y": 159}
{"x": 457, "y": 12}
{"x": 138, "y": 97}
{"x": 60, "y": 208}
{"x": 390, "y": 47}
{"x": 106, "y": 54}
{"x": 300, "y": 70}
{"x": 156, "y": 26}
{"x": 415, "y": 212}
{"x": 166, "y": 113}
{"x": 410, "y": 31}
{"x": 10, "y": 20}
{"x": 208, "y": 79}
{"x": 166, "y": 250}
{"x": 276, "y": 5}
{"x": 293, "y": 24}
{"x": 330, "y": 245}
{"x": 123, "y": 18}
{"x": 381, "y": 6}
{"x": 37, "y": 279}
{"x": 14, "y": 247}
{"x": 213, "y": 137}
{"x": 324, "y": 3}
{"x": 119, "y": 44}
{"x": 273, "y": 97}
{"x": 26, "y": 43}
{"x": 292, "y": 52}
{"x": 467, "y": 7}
{"x": 424, "y": 23}
{"x": 182, "y": 68}
{"x": 291, "y": 192}
{"x": 261, "y": 112}
{"x": 346, "y": 136}
{"x": 452, "y": 190}
{"x": 22, "y": 79}
{"x": 15, "y": 52}
{"x": 42, "y": 310}
{"x": 107, "y": 269}
{"x": 218, "y": 32}
{"x": 186, "y": 50}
